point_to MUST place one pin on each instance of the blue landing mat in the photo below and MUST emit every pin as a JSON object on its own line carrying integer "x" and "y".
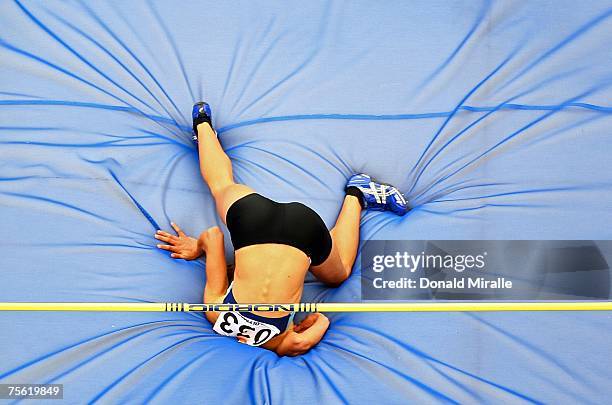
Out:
{"x": 492, "y": 117}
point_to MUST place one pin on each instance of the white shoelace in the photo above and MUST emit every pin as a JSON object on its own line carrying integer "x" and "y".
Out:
{"x": 379, "y": 195}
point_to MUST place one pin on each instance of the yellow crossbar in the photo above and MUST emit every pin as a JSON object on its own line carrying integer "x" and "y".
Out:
{"x": 435, "y": 306}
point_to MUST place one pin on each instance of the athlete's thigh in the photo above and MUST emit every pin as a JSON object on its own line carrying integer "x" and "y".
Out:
{"x": 230, "y": 195}
{"x": 331, "y": 271}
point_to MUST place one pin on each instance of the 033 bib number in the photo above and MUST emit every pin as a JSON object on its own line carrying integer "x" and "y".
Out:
{"x": 251, "y": 332}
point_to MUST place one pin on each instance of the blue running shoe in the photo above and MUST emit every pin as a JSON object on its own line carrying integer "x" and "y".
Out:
{"x": 200, "y": 113}
{"x": 378, "y": 196}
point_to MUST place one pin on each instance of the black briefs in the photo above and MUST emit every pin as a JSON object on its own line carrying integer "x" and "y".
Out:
{"x": 255, "y": 219}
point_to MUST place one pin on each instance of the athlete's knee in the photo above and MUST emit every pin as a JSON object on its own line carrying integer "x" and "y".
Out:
{"x": 342, "y": 274}
{"x": 344, "y": 269}
{"x": 337, "y": 278}
{"x": 220, "y": 188}
{"x": 348, "y": 269}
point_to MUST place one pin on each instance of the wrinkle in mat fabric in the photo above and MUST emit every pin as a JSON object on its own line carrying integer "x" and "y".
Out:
{"x": 492, "y": 117}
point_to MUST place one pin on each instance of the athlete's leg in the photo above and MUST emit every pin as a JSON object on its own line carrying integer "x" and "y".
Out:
{"x": 216, "y": 169}
{"x": 345, "y": 243}
{"x": 362, "y": 192}
{"x": 345, "y": 234}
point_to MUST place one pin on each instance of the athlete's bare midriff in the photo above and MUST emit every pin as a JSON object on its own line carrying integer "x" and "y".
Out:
{"x": 269, "y": 273}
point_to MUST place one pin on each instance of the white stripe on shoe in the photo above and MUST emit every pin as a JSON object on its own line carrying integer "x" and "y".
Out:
{"x": 383, "y": 191}
{"x": 374, "y": 191}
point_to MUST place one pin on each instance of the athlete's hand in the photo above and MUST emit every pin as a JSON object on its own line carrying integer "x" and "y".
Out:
{"x": 181, "y": 245}
{"x": 304, "y": 336}
{"x": 306, "y": 322}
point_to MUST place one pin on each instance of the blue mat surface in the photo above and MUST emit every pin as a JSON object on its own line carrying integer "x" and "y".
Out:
{"x": 493, "y": 118}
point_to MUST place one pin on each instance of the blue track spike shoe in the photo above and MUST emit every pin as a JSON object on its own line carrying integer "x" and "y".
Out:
{"x": 377, "y": 196}
{"x": 200, "y": 113}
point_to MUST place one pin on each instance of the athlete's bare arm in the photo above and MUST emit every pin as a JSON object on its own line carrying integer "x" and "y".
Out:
{"x": 217, "y": 283}
{"x": 210, "y": 243}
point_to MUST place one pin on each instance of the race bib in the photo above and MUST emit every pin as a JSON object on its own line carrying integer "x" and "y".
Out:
{"x": 253, "y": 332}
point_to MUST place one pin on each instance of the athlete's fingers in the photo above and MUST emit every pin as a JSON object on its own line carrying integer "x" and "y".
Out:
{"x": 169, "y": 239}
{"x": 307, "y": 322}
{"x": 300, "y": 327}
{"x": 177, "y": 256}
{"x": 164, "y": 233}
{"x": 177, "y": 229}
{"x": 168, "y": 248}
